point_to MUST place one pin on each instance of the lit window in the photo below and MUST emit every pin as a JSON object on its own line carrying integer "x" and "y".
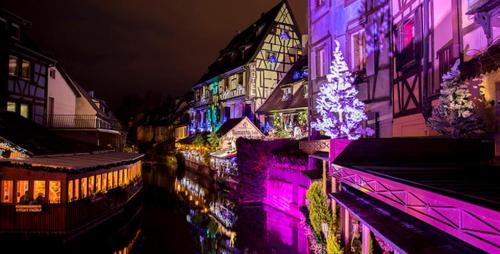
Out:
{"x": 91, "y": 185}
{"x": 319, "y": 3}
{"x": 13, "y": 66}
{"x": 70, "y": 191}
{"x": 7, "y": 188}
{"x": 24, "y": 110}
{"x": 22, "y": 192}
{"x": 320, "y": 64}
{"x": 26, "y": 69}
{"x": 77, "y": 189}
{"x": 359, "y": 50}
{"x": 125, "y": 176}
{"x": 104, "y": 182}
{"x": 120, "y": 177}
{"x": 98, "y": 183}
{"x": 39, "y": 191}
{"x": 115, "y": 179}
{"x": 54, "y": 192}
{"x": 84, "y": 187}
{"x": 408, "y": 34}
{"x": 110, "y": 180}
{"x": 11, "y": 106}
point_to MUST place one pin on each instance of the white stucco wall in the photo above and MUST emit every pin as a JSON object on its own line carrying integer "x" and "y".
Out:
{"x": 64, "y": 97}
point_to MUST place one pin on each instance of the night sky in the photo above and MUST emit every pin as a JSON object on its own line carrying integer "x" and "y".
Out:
{"x": 123, "y": 47}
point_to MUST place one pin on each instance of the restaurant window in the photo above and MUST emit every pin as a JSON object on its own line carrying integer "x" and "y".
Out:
{"x": 110, "y": 180}
{"x": 70, "y": 191}
{"x": 11, "y": 106}
{"x": 84, "y": 187}
{"x": 26, "y": 69}
{"x": 54, "y": 192}
{"x": 7, "y": 189}
{"x": 98, "y": 183}
{"x": 91, "y": 185}
{"x": 24, "y": 110}
{"x": 22, "y": 192}
{"x": 12, "y": 66}
{"x": 77, "y": 189}
{"x": 39, "y": 191}
{"x": 115, "y": 179}
{"x": 358, "y": 46}
{"x": 125, "y": 176}
{"x": 120, "y": 177}
{"x": 104, "y": 182}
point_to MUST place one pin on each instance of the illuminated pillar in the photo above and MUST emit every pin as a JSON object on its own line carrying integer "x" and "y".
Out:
{"x": 324, "y": 176}
{"x": 333, "y": 202}
{"x": 365, "y": 239}
{"x": 345, "y": 226}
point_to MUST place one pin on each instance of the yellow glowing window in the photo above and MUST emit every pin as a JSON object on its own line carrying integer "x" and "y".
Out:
{"x": 24, "y": 110}
{"x": 39, "y": 191}
{"x": 7, "y": 189}
{"x": 120, "y": 177}
{"x": 104, "y": 182}
{"x": 84, "y": 187}
{"x": 139, "y": 169}
{"x": 110, "y": 180}
{"x": 70, "y": 190}
{"x": 115, "y": 179}
{"x": 22, "y": 193}
{"x": 11, "y": 106}
{"x": 125, "y": 176}
{"x": 77, "y": 189}
{"x": 54, "y": 192}
{"x": 97, "y": 183}
{"x": 91, "y": 185}
{"x": 12, "y": 65}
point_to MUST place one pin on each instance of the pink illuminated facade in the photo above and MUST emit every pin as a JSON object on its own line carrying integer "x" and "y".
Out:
{"x": 398, "y": 51}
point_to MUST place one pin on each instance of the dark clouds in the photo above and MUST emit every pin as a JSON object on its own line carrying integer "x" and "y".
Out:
{"x": 121, "y": 47}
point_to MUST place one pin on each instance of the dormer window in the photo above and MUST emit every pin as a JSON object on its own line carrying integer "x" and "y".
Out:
{"x": 15, "y": 31}
{"x": 287, "y": 93}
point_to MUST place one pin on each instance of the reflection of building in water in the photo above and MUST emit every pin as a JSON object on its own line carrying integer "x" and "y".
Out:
{"x": 224, "y": 165}
{"x": 128, "y": 248}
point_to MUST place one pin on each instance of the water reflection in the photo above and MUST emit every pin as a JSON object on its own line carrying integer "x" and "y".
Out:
{"x": 184, "y": 212}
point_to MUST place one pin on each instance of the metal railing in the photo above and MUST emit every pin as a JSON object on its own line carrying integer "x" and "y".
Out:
{"x": 81, "y": 122}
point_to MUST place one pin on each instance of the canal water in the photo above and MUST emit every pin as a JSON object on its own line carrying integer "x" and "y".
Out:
{"x": 183, "y": 212}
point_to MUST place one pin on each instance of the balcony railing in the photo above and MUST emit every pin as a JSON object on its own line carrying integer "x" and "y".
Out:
{"x": 81, "y": 122}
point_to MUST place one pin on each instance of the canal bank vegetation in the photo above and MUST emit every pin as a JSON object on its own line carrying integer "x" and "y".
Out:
{"x": 324, "y": 237}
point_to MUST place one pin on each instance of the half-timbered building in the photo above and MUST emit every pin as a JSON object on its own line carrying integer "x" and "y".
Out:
{"x": 358, "y": 26}
{"x": 23, "y": 70}
{"x": 247, "y": 70}
{"x": 429, "y": 37}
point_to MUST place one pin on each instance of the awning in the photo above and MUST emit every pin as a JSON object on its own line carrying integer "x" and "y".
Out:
{"x": 313, "y": 174}
{"x": 451, "y": 167}
{"x": 401, "y": 231}
{"x": 223, "y": 154}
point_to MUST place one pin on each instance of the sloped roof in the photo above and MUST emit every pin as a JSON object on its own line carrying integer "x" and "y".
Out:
{"x": 35, "y": 138}
{"x": 229, "y": 125}
{"x": 79, "y": 162}
{"x": 298, "y": 100}
{"x": 452, "y": 167}
{"x": 25, "y": 43}
{"x": 243, "y": 47}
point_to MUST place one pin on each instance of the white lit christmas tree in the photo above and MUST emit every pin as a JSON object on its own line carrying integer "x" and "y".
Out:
{"x": 457, "y": 113}
{"x": 342, "y": 113}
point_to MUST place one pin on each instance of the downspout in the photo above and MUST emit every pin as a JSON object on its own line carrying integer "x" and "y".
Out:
{"x": 426, "y": 103}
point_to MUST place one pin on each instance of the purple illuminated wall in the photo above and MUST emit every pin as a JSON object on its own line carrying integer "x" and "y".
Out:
{"x": 270, "y": 174}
